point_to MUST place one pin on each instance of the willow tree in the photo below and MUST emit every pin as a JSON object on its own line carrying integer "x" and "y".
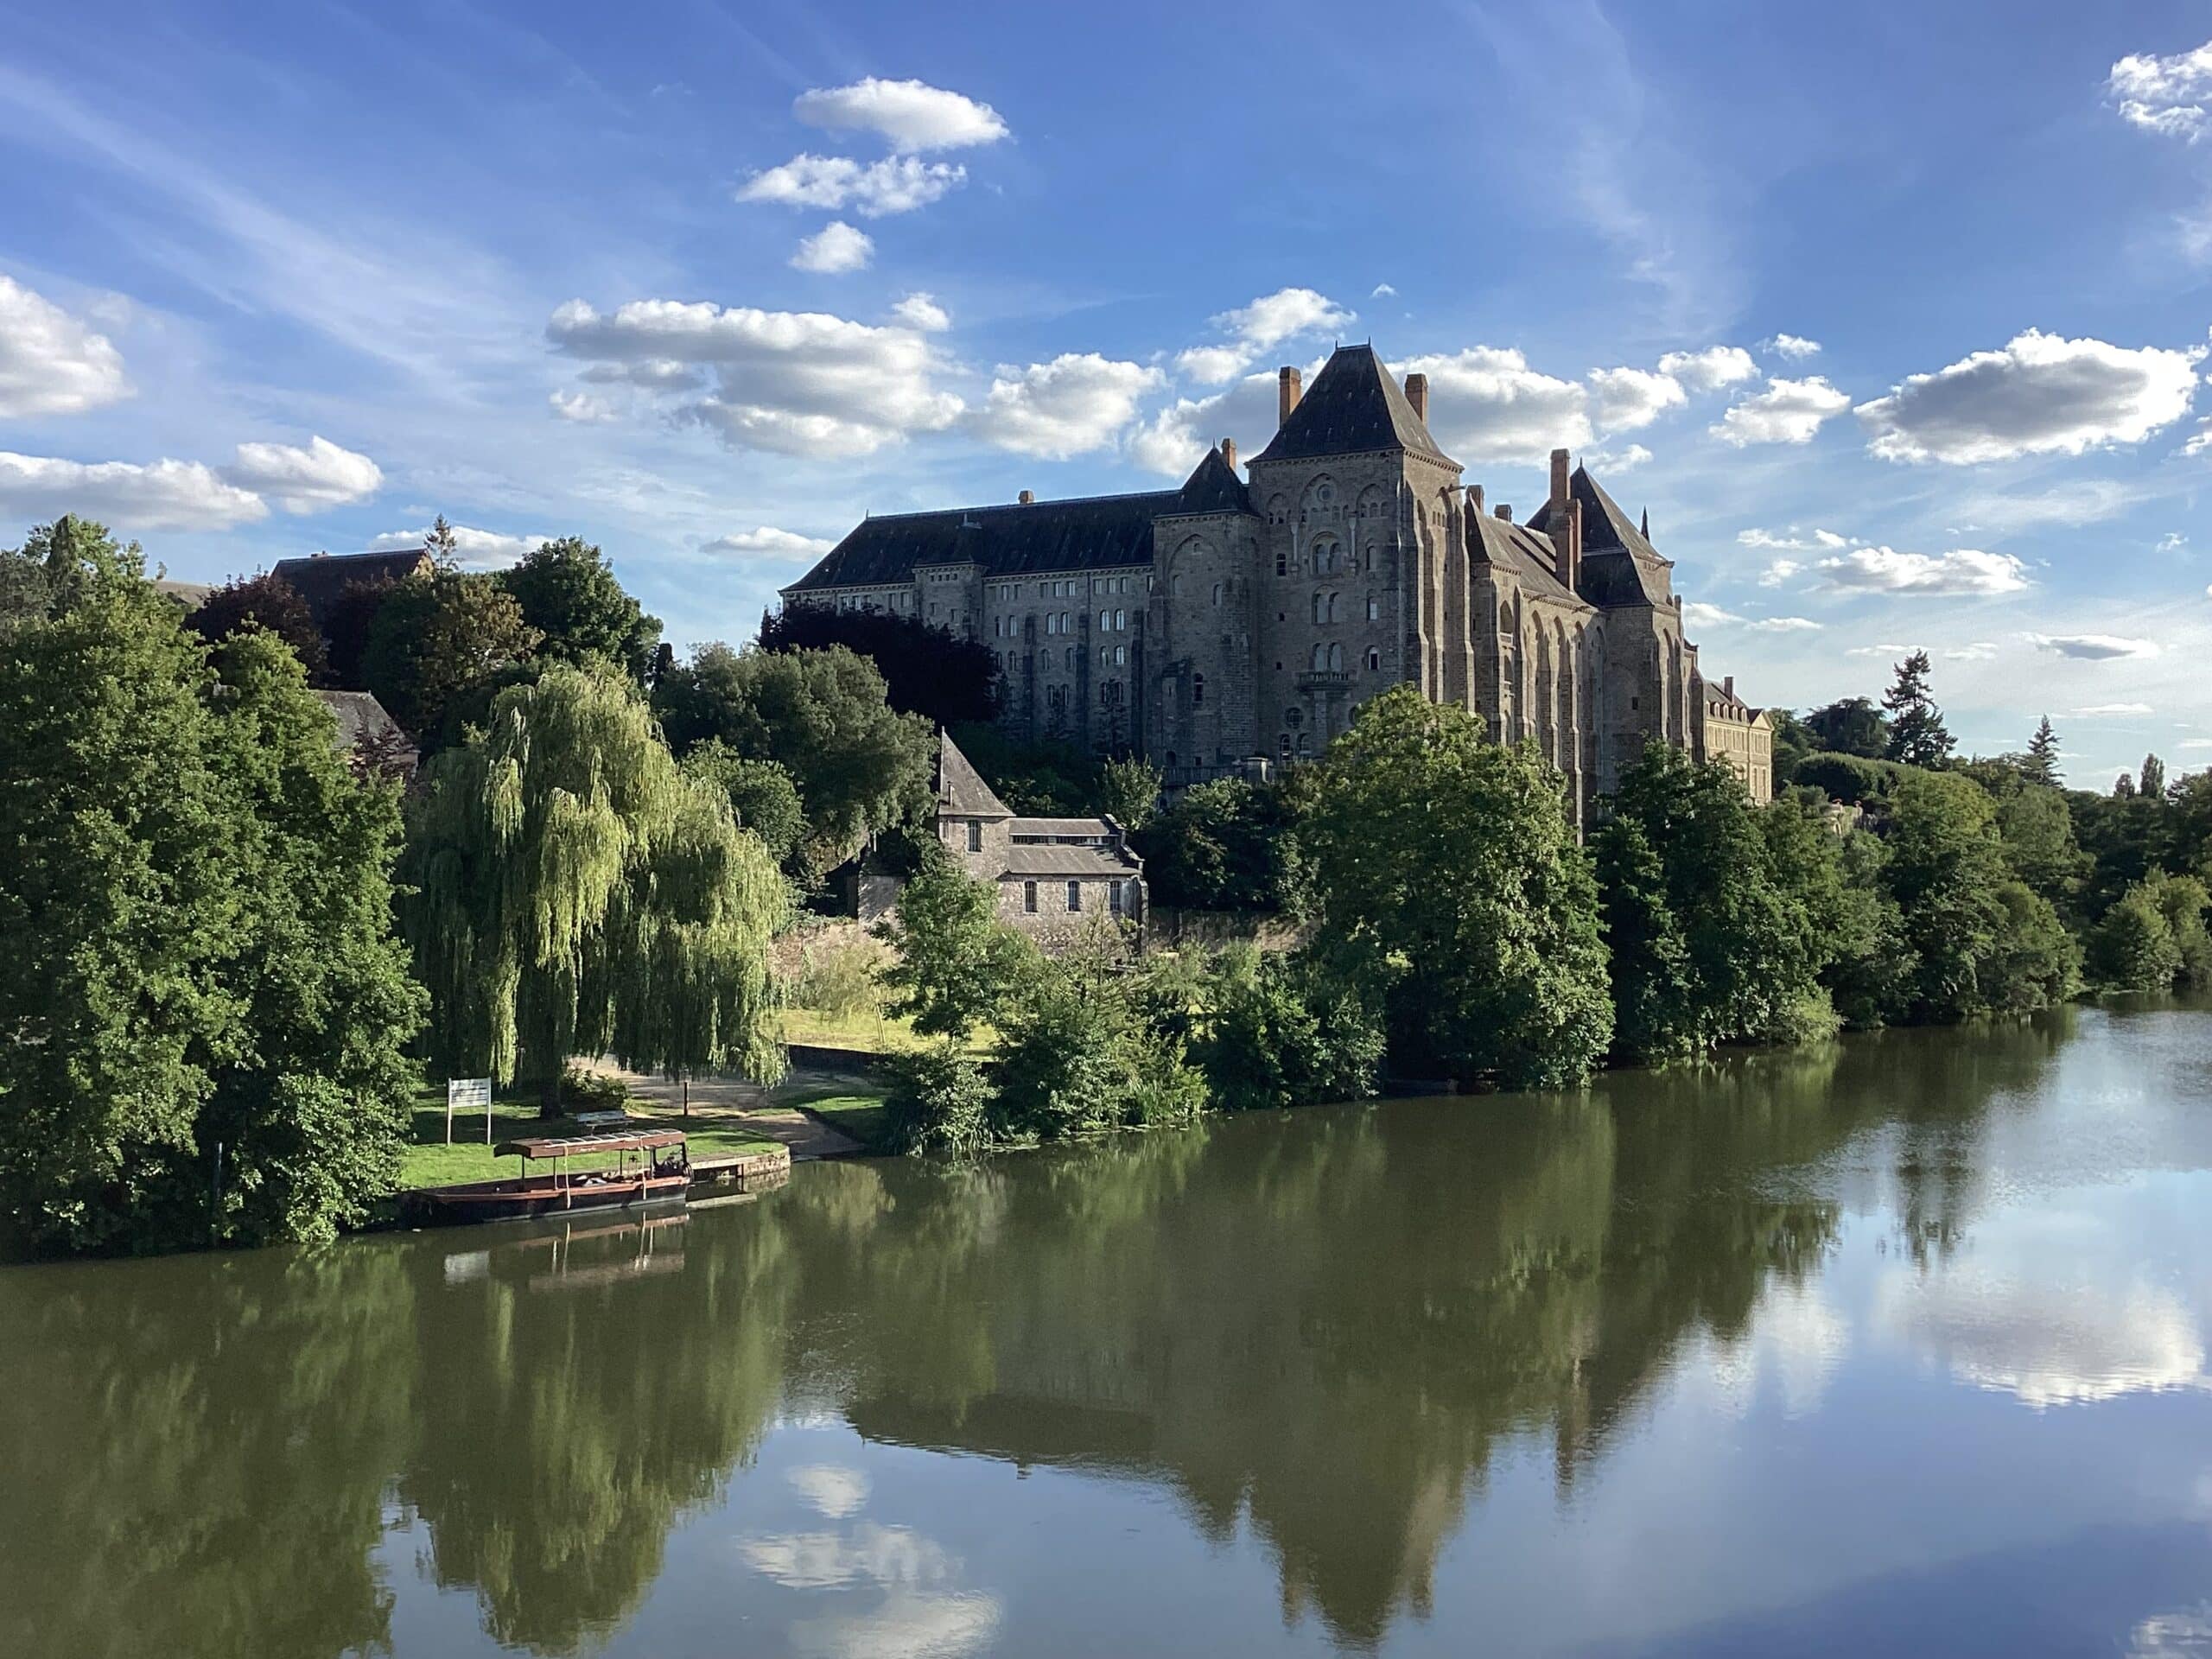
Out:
{"x": 574, "y": 893}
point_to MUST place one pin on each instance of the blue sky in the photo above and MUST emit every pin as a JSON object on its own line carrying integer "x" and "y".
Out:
{"x": 1894, "y": 316}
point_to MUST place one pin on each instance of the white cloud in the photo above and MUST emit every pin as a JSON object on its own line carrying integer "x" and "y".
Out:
{"x": 910, "y": 115}
{"x": 1881, "y": 650}
{"x": 2164, "y": 95}
{"x": 1979, "y": 651}
{"x": 1786, "y": 623}
{"x": 2173, "y": 542}
{"x": 1614, "y": 462}
{"x": 1699, "y": 614}
{"x": 126, "y": 495}
{"x": 2094, "y": 647}
{"x": 305, "y": 480}
{"x": 1382, "y": 290}
{"x": 1796, "y": 347}
{"x": 1624, "y": 399}
{"x": 473, "y": 549}
{"x": 1885, "y": 570}
{"x": 2044, "y": 394}
{"x": 2201, "y": 440}
{"x": 1788, "y": 411}
{"x": 1211, "y": 366}
{"x": 793, "y": 383}
{"x": 2107, "y": 710}
{"x": 835, "y": 248}
{"x": 1779, "y": 572}
{"x": 1792, "y": 539}
{"x": 1284, "y": 315}
{"x": 50, "y": 362}
{"x": 873, "y": 189}
{"x": 832, "y": 1489}
{"x": 922, "y": 311}
{"x": 579, "y": 406}
{"x": 1711, "y": 369}
{"x": 1077, "y": 403}
{"x": 1171, "y": 442}
{"x": 768, "y": 542}
{"x": 1486, "y": 404}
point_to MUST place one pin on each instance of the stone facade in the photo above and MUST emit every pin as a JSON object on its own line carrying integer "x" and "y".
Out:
{"x": 1240, "y": 620}
{"x": 1738, "y": 735}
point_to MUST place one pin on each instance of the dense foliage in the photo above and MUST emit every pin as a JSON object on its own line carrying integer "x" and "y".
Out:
{"x": 927, "y": 670}
{"x": 567, "y": 594}
{"x": 761, "y": 795}
{"x": 1223, "y": 845}
{"x": 956, "y": 965}
{"x": 202, "y": 1004}
{"x": 441, "y": 643}
{"x": 264, "y": 601}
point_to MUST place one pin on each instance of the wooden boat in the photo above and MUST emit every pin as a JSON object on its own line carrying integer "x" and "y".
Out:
{"x": 651, "y": 1166}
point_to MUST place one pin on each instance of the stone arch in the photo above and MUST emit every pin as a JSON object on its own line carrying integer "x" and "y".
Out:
{"x": 1323, "y": 494}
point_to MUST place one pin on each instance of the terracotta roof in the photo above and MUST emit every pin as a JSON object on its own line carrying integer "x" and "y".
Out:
{"x": 961, "y": 790}
{"x": 1353, "y": 407}
{"x": 321, "y": 579}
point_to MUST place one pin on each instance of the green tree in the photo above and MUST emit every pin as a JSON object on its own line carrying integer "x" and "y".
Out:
{"x": 1835, "y": 880}
{"x": 567, "y": 591}
{"x": 956, "y": 963}
{"x": 1706, "y": 947}
{"x": 2151, "y": 785}
{"x": 263, "y": 601}
{"x": 1853, "y": 726}
{"x": 1128, "y": 792}
{"x": 946, "y": 678}
{"x": 435, "y": 640}
{"x": 1917, "y": 736}
{"x": 197, "y": 909}
{"x": 2133, "y": 947}
{"x": 1277, "y": 1033}
{"x": 2182, "y": 900}
{"x": 2042, "y": 755}
{"x": 1449, "y": 889}
{"x": 1076, "y": 1055}
{"x": 1222, "y": 845}
{"x": 2038, "y": 829}
{"x": 571, "y": 892}
{"x": 761, "y": 793}
{"x": 861, "y": 768}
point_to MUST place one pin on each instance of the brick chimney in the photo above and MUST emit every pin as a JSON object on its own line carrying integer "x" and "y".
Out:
{"x": 1475, "y": 499}
{"x": 1567, "y": 544}
{"x": 1728, "y": 687}
{"x": 1505, "y": 512}
{"x": 1417, "y": 395}
{"x": 1229, "y": 453}
{"x": 1560, "y": 473}
{"x": 1027, "y": 497}
{"x": 1289, "y": 385}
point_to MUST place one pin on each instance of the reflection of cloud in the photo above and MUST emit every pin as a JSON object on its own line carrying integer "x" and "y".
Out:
{"x": 907, "y": 1626}
{"x": 2187, "y": 1631}
{"x": 1797, "y": 1339}
{"x": 834, "y": 1491}
{"x": 817, "y": 1560}
{"x": 2049, "y": 1345}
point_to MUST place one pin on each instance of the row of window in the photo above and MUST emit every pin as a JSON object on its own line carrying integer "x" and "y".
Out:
{"x": 1116, "y": 897}
{"x": 1328, "y": 560}
{"x": 1065, "y": 586}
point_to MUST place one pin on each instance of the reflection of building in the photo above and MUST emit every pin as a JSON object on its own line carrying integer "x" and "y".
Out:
{"x": 1248, "y": 616}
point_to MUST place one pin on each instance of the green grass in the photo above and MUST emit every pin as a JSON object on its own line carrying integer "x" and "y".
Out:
{"x": 428, "y": 1162}
{"x": 858, "y": 1115}
{"x": 872, "y": 1033}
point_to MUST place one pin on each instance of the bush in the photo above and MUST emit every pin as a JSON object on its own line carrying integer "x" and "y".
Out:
{"x": 1278, "y": 1035}
{"x": 838, "y": 978}
{"x": 940, "y": 1100}
{"x": 2133, "y": 948}
{"x": 587, "y": 1090}
{"x": 1850, "y": 778}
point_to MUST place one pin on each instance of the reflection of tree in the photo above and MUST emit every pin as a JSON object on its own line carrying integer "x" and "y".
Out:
{"x": 574, "y": 1407}
{"x": 198, "y": 1451}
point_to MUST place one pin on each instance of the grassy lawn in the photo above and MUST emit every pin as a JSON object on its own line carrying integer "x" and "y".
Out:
{"x": 872, "y": 1033}
{"x": 428, "y": 1162}
{"x": 858, "y": 1115}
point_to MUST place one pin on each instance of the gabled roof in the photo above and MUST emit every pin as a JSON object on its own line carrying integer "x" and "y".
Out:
{"x": 961, "y": 790}
{"x": 1508, "y": 546}
{"x": 320, "y": 579}
{"x": 1619, "y": 567}
{"x": 1213, "y": 487}
{"x": 1353, "y": 407}
{"x": 1605, "y": 523}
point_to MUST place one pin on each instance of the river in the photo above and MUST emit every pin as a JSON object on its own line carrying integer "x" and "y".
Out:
{"x": 1897, "y": 1346}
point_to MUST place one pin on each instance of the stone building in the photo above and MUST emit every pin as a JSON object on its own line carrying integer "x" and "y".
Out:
{"x": 1738, "y": 735}
{"x": 1052, "y": 873}
{"x": 1238, "y": 619}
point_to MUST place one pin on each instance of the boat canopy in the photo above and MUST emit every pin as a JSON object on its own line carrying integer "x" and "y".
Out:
{"x": 571, "y": 1146}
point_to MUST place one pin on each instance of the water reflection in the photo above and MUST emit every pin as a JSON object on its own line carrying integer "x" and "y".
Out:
{"x": 1330, "y": 1336}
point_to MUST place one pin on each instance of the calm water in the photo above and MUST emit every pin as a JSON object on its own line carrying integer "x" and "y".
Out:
{"x": 1900, "y": 1348}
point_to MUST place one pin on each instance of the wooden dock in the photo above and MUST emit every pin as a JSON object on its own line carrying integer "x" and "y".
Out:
{"x": 749, "y": 1171}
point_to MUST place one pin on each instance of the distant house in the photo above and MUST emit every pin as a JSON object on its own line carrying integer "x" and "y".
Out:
{"x": 190, "y": 594}
{"x": 322, "y": 579}
{"x": 370, "y": 735}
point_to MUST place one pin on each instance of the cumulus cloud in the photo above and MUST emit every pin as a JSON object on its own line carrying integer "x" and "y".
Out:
{"x": 1779, "y": 572}
{"x": 1284, "y": 315}
{"x": 910, "y": 115}
{"x": 1699, "y": 614}
{"x": 765, "y": 541}
{"x": 2173, "y": 542}
{"x": 129, "y": 496}
{"x": 2201, "y": 440}
{"x": 2093, "y": 647}
{"x": 1979, "y": 650}
{"x": 50, "y": 362}
{"x": 1382, "y": 290}
{"x": 475, "y": 550}
{"x": 1786, "y": 623}
{"x": 1077, "y": 403}
{"x": 1788, "y": 411}
{"x": 835, "y": 247}
{"x": 1171, "y": 442}
{"x": 1624, "y": 399}
{"x": 1211, "y": 366}
{"x": 580, "y": 406}
{"x": 1711, "y": 369}
{"x": 793, "y": 383}
{"x": 1792, "y": 539}
{"x": 899, "y": 184}
{"x": 2164, "y": 95}
{"x": 1486, "y": 404}
{"x": 1614, "y": 462}
{"x": 1964, "y": 570}
{"x": 305, "y": 480}
{"x": 1796, "y": 347}
{"x": 2043, "y": 394}
{"x": 923, "y": 312}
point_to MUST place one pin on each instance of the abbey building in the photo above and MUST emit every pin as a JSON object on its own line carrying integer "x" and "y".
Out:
{"x": 1243, "y": 618}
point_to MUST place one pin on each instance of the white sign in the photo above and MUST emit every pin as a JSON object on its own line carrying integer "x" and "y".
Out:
{"x": 467, "y": 1094}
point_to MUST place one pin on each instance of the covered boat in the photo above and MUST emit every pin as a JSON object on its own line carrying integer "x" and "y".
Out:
{"x": 649, "y": 1166}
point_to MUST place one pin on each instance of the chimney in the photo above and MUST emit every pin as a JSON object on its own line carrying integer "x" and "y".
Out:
{"x": 1027, "y": 497}
{"x": 1229, "y": 453}
{"x": 1475, "y": 499}
{"x": 1505, "y": 512}
{"x": 1289, "y": 384}
{"x": 1728, "y": 687}
{"x": 1559, "y": 482}
{"x": 1417, "y": 395}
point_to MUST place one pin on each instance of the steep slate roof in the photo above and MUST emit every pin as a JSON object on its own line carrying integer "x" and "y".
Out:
{"x": 1513, "y": 547}
{"x": 1090, "y": 533}
{"x": 1619, "y": 567}
{"x": 321, "y": 579}
{"x": 1352, "y": 408}
{"x": 1093, "y": 861}
{"x": 961, "y": 790}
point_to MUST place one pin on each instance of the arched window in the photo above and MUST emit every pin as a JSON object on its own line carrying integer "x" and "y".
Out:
{"x": 1175, "y": 584}
{"x": 1105, "y": 656}
{"x": 1171, "y": 760}
{"x": 1320, "y": 604}
{"x": 1336, "y": 655}
{"x": 1320, "y": 657}
{"x": 1071, "y": 659}
{"x": 1285, "y": 745}
{"x": 1198, "y": 689}
{"x": 1374, "y": 659}
{"x": 1373, "y": 607}
{"x": 1217, "y": 596}
{"x": 1105, "y": 621}
{"x": 1120, "y": 655}
{"x": 1304, "y": 744}
{"x": 1121, "y": 621}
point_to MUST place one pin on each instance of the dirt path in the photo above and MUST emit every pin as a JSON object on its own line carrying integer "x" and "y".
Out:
{"x": 774, "y": 1114}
